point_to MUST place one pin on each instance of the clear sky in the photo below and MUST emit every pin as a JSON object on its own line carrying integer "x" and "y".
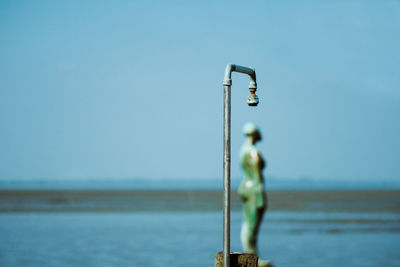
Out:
{"x": 121, "y": 89}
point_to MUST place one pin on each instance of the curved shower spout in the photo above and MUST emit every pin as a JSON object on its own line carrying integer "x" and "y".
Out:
{"x": 252, "y": 100}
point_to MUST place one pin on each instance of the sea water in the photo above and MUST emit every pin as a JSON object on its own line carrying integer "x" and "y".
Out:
{"x": 287, "y": 238}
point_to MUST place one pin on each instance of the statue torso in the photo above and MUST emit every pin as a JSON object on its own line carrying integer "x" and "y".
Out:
{"x": 251, "y": 189}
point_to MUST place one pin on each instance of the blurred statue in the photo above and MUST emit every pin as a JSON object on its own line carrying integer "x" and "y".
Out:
{"x": 251, "y": 191}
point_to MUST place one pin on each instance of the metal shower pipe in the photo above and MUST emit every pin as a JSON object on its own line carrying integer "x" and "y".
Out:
{"x": 252, "y": 100}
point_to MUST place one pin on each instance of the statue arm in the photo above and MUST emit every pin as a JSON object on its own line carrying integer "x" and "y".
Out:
{"x": 243, "y": 192}
{"x": 258, "y": 179}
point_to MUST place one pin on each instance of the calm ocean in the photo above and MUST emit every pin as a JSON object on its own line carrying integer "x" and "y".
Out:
{"x": 184, "y": 228}
{"x": 193, "y": 239}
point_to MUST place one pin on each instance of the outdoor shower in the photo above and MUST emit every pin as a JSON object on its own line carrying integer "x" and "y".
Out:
{"x": 252, "y": 100}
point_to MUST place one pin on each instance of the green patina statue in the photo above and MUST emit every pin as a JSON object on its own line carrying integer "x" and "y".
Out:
{"x": 251, "y": 191}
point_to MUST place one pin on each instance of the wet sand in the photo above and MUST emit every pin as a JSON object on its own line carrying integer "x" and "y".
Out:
{"x": 193, "y": 201}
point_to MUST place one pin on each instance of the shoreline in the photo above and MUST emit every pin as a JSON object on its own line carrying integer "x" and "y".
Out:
{"x": 194, "y": 200}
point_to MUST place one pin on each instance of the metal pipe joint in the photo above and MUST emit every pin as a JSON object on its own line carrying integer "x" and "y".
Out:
{"x": 252, "y": 99}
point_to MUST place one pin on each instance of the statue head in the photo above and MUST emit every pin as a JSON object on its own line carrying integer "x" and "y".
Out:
{"x": 251, "y": 130}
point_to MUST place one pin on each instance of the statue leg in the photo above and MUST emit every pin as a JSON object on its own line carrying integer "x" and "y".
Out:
{"x": 248, "y": 233}
{"x": 252, "y": 218}
{"x": 260, "y": 215}
{"x": 248, "y": 239}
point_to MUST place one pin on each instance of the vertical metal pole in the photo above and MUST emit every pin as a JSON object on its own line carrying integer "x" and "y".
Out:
{"x": 252, "y": 100}
{"x": 227, "y": 175}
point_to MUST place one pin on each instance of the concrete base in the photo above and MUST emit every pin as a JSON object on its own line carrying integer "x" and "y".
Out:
{"x": 237, "y": 260}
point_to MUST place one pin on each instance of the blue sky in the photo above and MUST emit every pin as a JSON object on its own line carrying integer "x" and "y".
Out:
{"x": 122, "y": 89}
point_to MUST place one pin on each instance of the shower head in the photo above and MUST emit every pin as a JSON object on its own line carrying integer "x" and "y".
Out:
{"x": 252, "y": 99}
